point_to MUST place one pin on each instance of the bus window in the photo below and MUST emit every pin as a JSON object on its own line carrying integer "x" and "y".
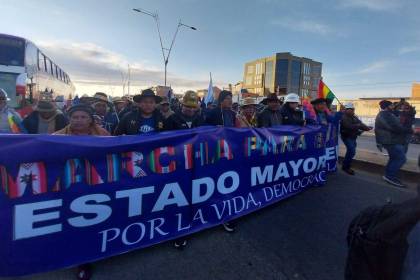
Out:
{"x": 12, "y": 51}
{"x": 56, "y": 71}
{"x": 51, "y": 68}
{"x": 41, "y": 61}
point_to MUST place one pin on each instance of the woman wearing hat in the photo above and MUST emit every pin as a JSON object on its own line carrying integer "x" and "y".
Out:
{"x": 246, "y": 116}
{"x": 46, "y": 119}
{"x": 271, "y": 115}
{"x": 81, "y": 122}
{"x": 143, "y": 120}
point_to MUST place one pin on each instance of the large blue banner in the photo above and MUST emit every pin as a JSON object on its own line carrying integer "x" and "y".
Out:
{"x": 68, "y": 200}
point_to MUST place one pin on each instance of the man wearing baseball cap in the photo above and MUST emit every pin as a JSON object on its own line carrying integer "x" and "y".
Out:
{"x": 391, "y": 135}
{"x": 351, "y": 127}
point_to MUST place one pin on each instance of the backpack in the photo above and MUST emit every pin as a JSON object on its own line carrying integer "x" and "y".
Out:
{"x": 377, "y": 242}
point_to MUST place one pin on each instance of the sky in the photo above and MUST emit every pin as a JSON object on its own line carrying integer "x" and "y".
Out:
{"x": 368, "y": 47}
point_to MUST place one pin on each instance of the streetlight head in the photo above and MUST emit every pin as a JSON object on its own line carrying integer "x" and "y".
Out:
{"x": 137, "y": 10}
{"x": 193, "y": 28}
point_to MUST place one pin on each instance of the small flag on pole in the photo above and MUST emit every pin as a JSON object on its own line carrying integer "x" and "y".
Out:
{"x": 210, "y": 94}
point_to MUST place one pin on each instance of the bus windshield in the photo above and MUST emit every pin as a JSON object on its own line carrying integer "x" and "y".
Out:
{"x": 12, "y": 51}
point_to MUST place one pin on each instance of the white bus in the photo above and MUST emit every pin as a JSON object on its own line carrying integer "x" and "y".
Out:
{"x": 26, "y": 73}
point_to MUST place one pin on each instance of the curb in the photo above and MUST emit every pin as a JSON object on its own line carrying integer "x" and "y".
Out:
{"x": 372, "y": 167}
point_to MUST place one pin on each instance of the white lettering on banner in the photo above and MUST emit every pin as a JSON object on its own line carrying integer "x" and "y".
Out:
{"x": 282, "y": 172}
{"x": 156, "y": 228}
{"x": 80, "y": 205}
{"x": 330, "y": 153}
{"x": 180, "y": 227}
{"x": 295, "y": 166}
{"x": 284, "y": 189}
{"x": 25, "y": 218}
{"x": 142, "y": 231}
{"x": 197, "y": 197}
{"x": 199, "y": 216}
{"x": 221, "y": 182}
{"x": 308, "y": 165}
{"x": 105, "y": 238}
{"x": 263, "y": 177}
{"x": 133, "y": 233}
{"x": 135, "y": 199}
{"x": 165, "y": 199}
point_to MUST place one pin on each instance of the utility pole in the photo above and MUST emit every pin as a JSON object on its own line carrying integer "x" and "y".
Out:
{"x": 165, "y": 51}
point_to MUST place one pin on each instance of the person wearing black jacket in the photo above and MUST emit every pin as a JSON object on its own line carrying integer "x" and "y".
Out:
{"x": 188, "y": 116}
{"x": 46, "y": 119}
{"x": 223, "y": 113}
{"x": 143, "y": 120}
{"x": 351, "y": 127}
{"x": 289, "y": 111}
{"x": 391, "y": 135}
{"x": 271, "y": 115}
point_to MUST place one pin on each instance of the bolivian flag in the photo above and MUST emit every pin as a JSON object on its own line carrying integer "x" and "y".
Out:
{"x": 325, "y": 92}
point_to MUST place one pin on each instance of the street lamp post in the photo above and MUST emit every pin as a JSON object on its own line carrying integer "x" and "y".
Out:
{"x": 168, "y": 53}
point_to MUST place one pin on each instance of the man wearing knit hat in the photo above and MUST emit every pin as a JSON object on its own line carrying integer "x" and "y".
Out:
{"x": 392, "y": 136}
{"x": 223, "y": 113}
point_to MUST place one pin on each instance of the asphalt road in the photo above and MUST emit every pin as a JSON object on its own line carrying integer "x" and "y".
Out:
{"x": 300, "y": 238}
{"x": 368, "y": 142}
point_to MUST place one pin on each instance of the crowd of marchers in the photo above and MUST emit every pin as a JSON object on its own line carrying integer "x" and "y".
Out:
{"x": 146, "y": 112}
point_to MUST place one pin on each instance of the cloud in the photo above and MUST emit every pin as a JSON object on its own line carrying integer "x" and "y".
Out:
{"x": 373, "y": 5}
{"x": 408, "y": 49}
{"x": 308, "y": 26}
{"x": 374, "y": 67}
{"x": 90, "y": 65}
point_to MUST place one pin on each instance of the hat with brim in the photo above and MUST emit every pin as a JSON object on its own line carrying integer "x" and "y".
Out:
{"x": 272, "y": 97}
{"x": 147, "y": 93}
{"x": 164, "y": 101}
{"x": 319, "y": 101}
{"x": 117, "y": 100}
{"x": 100, "y": 97}
{"x": 190, "y": 99}
{"x": 249, "y": 101}
{"x": 45, "y": 107}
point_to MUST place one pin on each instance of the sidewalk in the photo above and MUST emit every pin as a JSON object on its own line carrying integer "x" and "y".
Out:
{"x": 374, "y": 161}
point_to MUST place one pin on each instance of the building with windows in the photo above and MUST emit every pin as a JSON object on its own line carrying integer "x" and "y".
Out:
{"x": 282, "y": 73}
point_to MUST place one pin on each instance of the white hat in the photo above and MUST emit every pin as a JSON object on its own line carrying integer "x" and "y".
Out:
{"x": 291, "y": 98}
{"x": 248, "y": 101}
{"x": 4, "y": 93}
{"x": 349, "y": 105}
